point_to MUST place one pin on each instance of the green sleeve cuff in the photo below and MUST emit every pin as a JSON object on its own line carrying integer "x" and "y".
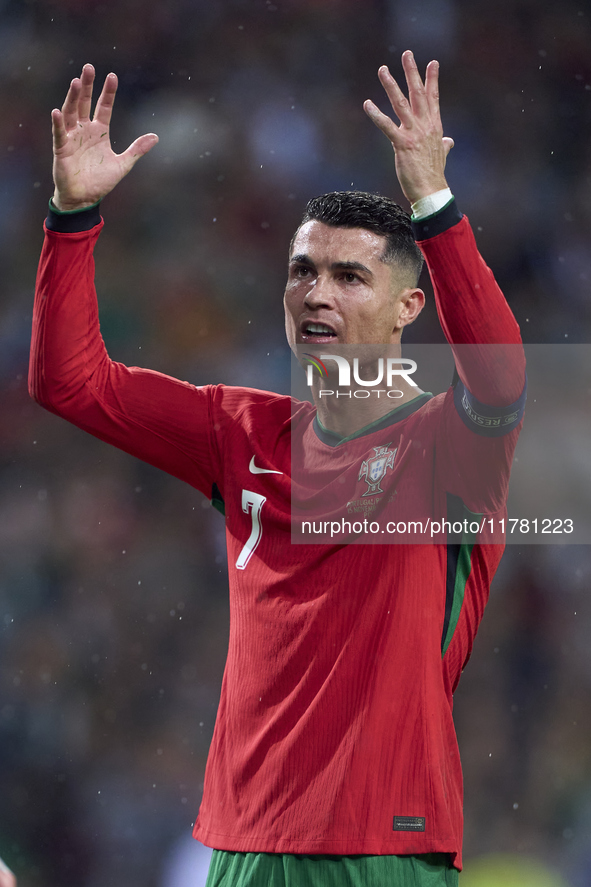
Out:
{"x": 431, "y": 226}
{"x": 73, "y": 221}
{"x": 70, "y": 212}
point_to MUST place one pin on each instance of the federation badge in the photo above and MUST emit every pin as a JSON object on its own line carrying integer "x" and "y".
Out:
{"x": 374, "y": 470}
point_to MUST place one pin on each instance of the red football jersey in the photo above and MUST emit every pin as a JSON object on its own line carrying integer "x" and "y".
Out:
{"x": 334, "y": 732}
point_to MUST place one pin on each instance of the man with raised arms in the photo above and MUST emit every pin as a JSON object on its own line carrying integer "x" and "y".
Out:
{"x": 334, "y": 758}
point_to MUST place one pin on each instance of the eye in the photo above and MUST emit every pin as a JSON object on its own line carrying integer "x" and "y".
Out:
{"x": 300, "y": 271}
{"x": 350, "y": 277}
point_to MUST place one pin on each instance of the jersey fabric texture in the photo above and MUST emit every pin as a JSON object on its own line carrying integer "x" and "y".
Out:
{"x": 334, "y": 732}
{"x": 287, "y": 870}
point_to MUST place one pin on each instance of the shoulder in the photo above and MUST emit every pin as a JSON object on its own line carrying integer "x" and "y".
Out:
{"x": 247, "y": 405}
{"x": 238, "y": 397}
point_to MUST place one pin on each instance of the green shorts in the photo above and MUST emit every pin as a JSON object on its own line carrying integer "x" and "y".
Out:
{"x": 230, "y": 869}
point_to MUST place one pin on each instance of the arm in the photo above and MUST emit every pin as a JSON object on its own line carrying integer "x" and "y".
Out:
{"x": 471, "y": 307}
{"x": 478, "y": 433}
{"x": 152, "y": 416}
{"x": 157, "y": 418}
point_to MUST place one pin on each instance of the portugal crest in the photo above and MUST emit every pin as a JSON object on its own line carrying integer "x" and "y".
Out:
{"x": 374, "y": 470}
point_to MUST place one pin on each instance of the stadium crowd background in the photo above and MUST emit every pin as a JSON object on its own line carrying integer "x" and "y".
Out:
{"x": 113, "y": 602}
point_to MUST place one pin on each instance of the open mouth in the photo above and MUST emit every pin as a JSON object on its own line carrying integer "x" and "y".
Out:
{"x": 317, "y": 332}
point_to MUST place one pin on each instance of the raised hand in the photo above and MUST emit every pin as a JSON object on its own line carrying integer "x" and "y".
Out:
{"x": 419, "y": 145}
{"x": 85, "y": 167}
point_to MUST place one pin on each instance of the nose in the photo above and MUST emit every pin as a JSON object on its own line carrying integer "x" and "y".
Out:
{"x": 319, "y": 295}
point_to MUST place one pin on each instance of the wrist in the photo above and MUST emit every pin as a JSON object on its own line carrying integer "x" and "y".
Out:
{"x": 61, "y": 207}
{"x": 418, "y": 187}
{"x": 432, "y": 203}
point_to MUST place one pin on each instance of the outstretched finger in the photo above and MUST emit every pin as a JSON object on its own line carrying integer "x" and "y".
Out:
{"x": 104, "y": 106}
{"x": 70, "y": 105}
{"x": 137, "y": 149}
{"x": 382, "y": 121}
{"x": 398, "y": 100}
{"x": 416, "y": 88}
{"x": 432, "y": 88}
{"x": 60, "y": 135}
{"x": 87, "y": 79}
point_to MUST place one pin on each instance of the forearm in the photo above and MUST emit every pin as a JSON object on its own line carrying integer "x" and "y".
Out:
{"x": 67, "y": 349}
{"x": 472, "y": 309}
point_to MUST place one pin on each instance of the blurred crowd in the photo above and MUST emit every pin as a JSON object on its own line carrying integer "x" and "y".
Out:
{"x": 113, "y": 578}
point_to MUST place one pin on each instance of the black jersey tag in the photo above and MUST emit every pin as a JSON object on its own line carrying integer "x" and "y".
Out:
{"x": 409, "y": 824}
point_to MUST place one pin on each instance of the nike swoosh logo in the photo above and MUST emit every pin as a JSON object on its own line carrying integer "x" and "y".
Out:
{"x": 254, "y": 469}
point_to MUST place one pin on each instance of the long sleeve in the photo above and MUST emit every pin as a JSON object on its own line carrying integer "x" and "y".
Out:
{"x": 472, "y": 309}
{"x": 483, "y": 411}
{"x": 152, "y": 416}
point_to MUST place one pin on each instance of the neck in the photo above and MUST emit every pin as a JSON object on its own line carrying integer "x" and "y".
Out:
{"x": 346, "y": 409}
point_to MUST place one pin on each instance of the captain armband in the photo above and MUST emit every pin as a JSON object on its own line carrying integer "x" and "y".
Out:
{"x": 484, "y": 419}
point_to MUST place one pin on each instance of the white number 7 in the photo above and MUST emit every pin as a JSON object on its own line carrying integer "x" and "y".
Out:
{"x": 252, "y": 502}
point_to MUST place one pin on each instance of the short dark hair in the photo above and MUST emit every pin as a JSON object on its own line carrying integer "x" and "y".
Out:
{"x": 360, "y": 209}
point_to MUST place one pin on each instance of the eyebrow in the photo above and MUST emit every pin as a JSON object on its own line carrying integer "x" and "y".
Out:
{"x": 304, "y": 259}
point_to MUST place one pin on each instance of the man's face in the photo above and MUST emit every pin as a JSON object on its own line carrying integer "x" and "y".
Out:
{"x": 340, "y": 291}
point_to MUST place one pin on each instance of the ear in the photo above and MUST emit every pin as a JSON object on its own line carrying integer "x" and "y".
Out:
{"x": 412, "y": 301}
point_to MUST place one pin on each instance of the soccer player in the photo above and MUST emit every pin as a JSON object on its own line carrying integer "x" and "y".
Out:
{"x": 334, "y": 758}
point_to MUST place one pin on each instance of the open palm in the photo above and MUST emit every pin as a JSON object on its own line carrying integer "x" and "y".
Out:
{"x": 419, "y": 144}
{"x": 85, "y": 167}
